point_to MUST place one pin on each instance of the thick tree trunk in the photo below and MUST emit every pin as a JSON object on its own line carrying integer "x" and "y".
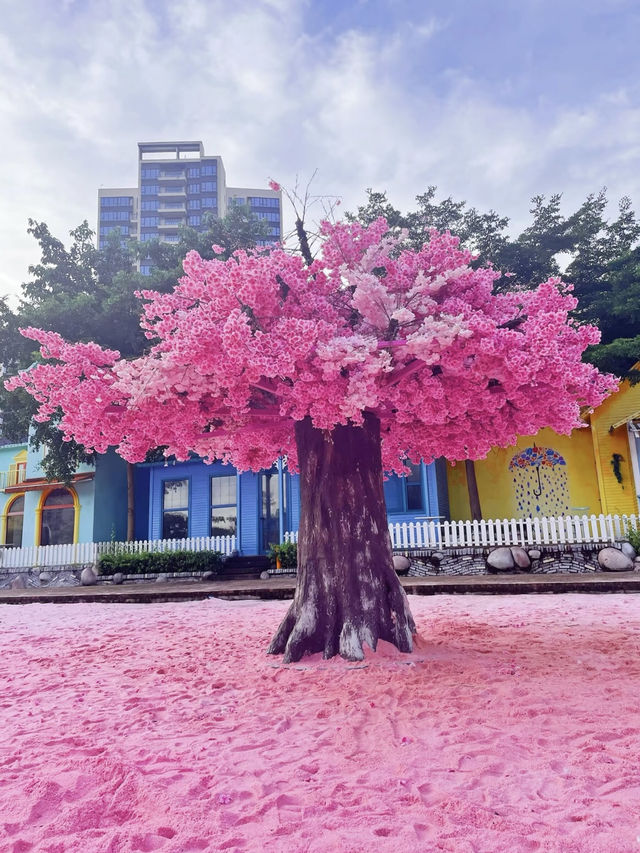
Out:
{"x": 472, "y": 488}
{"x": 131, "y": 518}
{"x": 348, "y": 592}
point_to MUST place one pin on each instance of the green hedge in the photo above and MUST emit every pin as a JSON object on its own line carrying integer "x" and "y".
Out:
{"x": 166, "y": 561}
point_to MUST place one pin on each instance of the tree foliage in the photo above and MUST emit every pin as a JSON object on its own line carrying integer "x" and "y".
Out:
{"x": 89, "y": 294}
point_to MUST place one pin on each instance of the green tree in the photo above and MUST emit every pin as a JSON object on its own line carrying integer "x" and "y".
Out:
{"x": 601, "y": 258}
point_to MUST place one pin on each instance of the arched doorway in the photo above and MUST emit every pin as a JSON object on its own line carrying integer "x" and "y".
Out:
{"x": 14, "y": 517}
{"x": 58, "y": 517}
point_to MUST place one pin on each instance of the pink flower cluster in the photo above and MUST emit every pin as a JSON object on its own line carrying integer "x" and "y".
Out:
{"x": 243, "y": 348}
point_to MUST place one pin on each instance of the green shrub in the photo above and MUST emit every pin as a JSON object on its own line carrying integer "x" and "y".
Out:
{"x": 287, "y": 553}
{"x": 633, "y": 535}
{"x": 155, "y": 562}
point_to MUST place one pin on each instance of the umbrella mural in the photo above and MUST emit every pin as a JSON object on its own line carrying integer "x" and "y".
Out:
{"x": 540, "y": 481}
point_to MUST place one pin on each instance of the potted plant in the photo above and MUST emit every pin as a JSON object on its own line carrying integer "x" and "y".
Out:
{"x": 284, "y": 555}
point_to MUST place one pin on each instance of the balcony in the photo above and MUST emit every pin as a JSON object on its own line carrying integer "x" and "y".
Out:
{"x": 177, "y": 191}
{"x": 172, "y": 225}
{"x": 13, "y": 477}
{"x": 172, "y": 176}
{"x": 177, "y": 209}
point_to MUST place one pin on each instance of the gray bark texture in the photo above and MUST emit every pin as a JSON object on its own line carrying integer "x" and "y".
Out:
{"x": 348, "y": 593}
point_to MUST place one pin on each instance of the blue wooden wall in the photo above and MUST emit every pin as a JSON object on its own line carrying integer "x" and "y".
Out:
{"x": 150, "y": 480}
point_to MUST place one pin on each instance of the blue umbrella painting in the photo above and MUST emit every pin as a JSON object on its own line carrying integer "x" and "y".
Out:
{"x": 540, "y": 482}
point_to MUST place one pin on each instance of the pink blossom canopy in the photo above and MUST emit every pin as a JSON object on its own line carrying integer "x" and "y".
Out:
{"x": 243, "y": 348}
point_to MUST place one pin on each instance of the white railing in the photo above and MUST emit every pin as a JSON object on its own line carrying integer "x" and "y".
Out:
{"x": 88, "y": 552}
{"x": 12, "y": 477}
{"x": 559, "y": 530}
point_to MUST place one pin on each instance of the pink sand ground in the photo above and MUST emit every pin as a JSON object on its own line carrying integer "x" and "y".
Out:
{"x": 514, "y": 726}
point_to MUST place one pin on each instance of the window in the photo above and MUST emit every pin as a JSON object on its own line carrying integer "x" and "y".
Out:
{"x": 149, "y": 221}
{"x": 193, "y": 188}
{"x": 195, "y": 220}
{"x": 208, "y": 186}
{"x": 150, "y": 235}
{"x": 404, "y": 494}
{"x": 193, "y": 172}
{"x": 170, "y": 238}
{"x": 260, "y": 201}
{"x": 150, "y": 189}
{"x": 116, "y": 201}
{"x": 209, "y": 169}
{"x": 15, "y": 517}
{"x": 152, "y": 204}
{"x": 172, "y": 220}
{"x": 149, "y": 172}
{"x": 194, "y": 204}
{"x": 58, "y": 518}
{"x": 107, "y": 229}
{"x": 224, "y": 510}
{"x": 270, "y": 217}
{"x": 175, "y": 509}
{"x": 145, "y": 269}
{"x": 237, "y": 201}
{"x": 209, "y": 202}
{"x": 114, "y": 216}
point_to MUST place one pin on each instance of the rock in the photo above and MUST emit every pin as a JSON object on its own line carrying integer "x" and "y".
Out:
{"x": 500, "y": 560}
{"x": 613, "y": 560}
{"x": 118, "y": 578}
{"x": 88, "y": 577}
{"x": 207, "y": 576}
{"x": 628, "y": 550}
{"x": 401, "y": 563}
{"x": 264, "y": 576}
{"x": 19, "y": 582}
{"x": 45, "y": 577}
{"x": 162, "y": 578}
{"x": 521, "y": 558}
{"x": 534, "y": 554}
{"x": 436, "y": 558}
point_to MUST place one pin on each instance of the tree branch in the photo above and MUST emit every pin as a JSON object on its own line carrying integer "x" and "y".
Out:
{"x": 401, "y": 373}
{"x": 304, "y": 242}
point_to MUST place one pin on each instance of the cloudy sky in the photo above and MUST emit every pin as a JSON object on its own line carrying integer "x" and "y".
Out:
{"x": 492, "y": 100}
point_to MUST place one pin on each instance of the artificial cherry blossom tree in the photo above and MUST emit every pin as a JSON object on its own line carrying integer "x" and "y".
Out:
{"x": 349, "y": 364}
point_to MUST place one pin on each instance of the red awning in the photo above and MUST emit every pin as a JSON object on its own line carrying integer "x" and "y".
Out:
{"x": 37, "y": 483}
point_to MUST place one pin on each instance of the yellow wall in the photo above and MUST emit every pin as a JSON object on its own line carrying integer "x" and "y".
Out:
{"x": 496, "y": 482}
{"x": 617, "y": 498}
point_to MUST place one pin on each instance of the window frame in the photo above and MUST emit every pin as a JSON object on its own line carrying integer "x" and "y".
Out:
{"x": 186, "y": 508}
{"x": 213, "y": 506}
{"x": 404, "y": 494}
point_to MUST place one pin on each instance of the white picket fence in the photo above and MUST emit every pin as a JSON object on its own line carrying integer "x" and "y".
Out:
{"x": 88, "y": 552}
{"x": 559, "y": 530}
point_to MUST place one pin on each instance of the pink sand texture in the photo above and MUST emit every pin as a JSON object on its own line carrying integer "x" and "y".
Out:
{"x": 513, "y": 726}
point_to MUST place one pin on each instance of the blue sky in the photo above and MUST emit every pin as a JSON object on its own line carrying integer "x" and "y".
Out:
{"x": 492, "y": 100}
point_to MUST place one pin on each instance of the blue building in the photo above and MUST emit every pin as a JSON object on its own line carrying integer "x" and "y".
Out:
{"x": 177, "y": 185}
{"x": 193, "y": 499}
{"x": 34, "y": 511}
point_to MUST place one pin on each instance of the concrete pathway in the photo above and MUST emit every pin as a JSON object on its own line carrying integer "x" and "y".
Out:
{"x": 281, "y": 588}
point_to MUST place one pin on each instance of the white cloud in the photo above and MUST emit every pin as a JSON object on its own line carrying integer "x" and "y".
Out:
{"x": 82, "y": 83}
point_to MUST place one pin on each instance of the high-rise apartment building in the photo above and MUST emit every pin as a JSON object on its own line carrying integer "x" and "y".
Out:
{"x": 177, "y": 184}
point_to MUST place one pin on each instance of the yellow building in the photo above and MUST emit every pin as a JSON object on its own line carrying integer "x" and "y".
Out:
{"x": 594, "y": 470}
